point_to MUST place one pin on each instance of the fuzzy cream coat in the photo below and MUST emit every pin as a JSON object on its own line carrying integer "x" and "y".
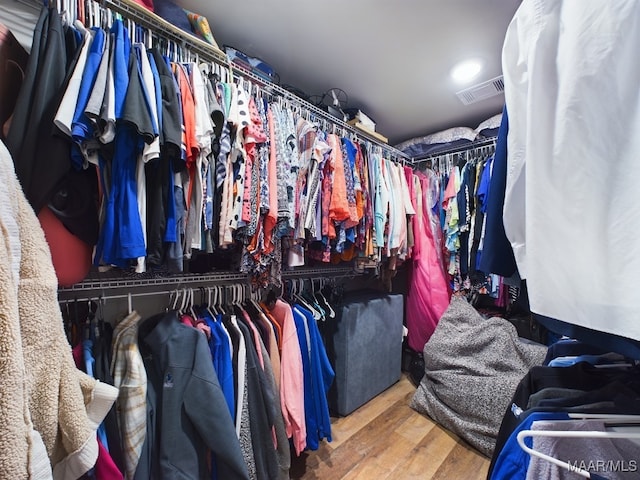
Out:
{"x": 49, "y": 410}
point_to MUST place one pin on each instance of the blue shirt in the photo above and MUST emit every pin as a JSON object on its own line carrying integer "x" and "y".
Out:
{"x": 89, "y": 362}
{"x": 107, "y": 248}
{"x": 483, "y": 188}
{"x": 81, "y": 127}
{"x": 497, "y": 254}
{"x": 512, "y": 462}
{"x": 318, "y": 377}
{"x": 122, "y": 48}
{"x": 222, "y": 361}
{"x": 122, "y": 238}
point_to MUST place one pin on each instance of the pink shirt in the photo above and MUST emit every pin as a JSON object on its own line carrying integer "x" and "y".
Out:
{"x": 291, "y": 379}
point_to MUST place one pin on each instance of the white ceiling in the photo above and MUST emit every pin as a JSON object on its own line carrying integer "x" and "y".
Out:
{"x": 393, "y": 58}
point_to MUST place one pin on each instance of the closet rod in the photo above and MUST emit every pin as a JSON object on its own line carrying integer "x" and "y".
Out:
{"x": 96, "y": 283}
{"x": 318, "y": 111}
{"x": 488, "y": 142}
{"x": 110, "y": 283}
{"x": 113, "y": 297}
{"x": 149, "y": 20}
{"x": 320, "y": 272}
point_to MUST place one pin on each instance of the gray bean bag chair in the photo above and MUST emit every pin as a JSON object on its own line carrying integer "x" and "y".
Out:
{"x": 472, "y": 368}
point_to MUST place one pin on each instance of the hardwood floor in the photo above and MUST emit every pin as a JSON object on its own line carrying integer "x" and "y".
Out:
{"x": 386, "y": 439}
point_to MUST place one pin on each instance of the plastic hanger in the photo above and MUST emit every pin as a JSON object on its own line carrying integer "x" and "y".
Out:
{"x": 220, "y": 300}
{"x": 208, "y": 303}
{"x": 332, "y": 313}
{"x": 567, "y": 434}
{"x": 98, "y": 16}
{"x": 233, "y": 294}
{"x": 242, "y": 293}
{"x": 312, "y": 302}
{"x": 129, "y": 303}
{"x": 192, "y": 309}
{"x": 183, "y": 303}
{"x": 605, "y": 416}
{"x": 172, "y": 300}
{"x": 300, "y": 299}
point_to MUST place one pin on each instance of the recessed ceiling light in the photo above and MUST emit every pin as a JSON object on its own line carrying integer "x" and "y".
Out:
{"x": 466, "y": 71}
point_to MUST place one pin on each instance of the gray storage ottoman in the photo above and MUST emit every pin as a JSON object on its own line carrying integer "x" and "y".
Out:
{"x": 367, "y": 349}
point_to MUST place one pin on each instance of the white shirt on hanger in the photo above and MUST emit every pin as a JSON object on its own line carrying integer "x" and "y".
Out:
{"x": 150, "y": 151}
{"x": 64, "y": 114}
{"x": 572, "y": 203}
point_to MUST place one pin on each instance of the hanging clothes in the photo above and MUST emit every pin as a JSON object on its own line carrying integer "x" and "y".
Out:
{"x": 498, "y": 255}
{"x": 428, "y": 295}
{"x": 189, "y": 162}
{"x": 182, "y": 378}
{"x": 569, "y": 382}
{"x": 555, "y": 73}
{"x": 318, "y": 376}
{"x": 35, "y": 109}
{"x": 122, "y": 237}
{"x": 292, "y": 378}
{"x": 130, "y": 377}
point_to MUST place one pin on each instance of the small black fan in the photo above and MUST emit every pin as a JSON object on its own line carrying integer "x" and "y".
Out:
{"x": 335, "y": 101}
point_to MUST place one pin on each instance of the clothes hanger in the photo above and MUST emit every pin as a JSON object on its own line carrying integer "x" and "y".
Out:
{"x": 97, "y": 14}
{"x": 184, "y": 300}
{"x": 216, "y": 301}
{"x": 202, "y": 291}
{"x": 220, "y": 300}
{"x": 173, "y": 300}
{"x": 63, "y": 11}
{"x": 234, "y": 294}
{"x": 99, "y": 316}
{"x": 208, "y": 303}
{"x": 241, "y": 293}
{"x": 88, "y": 333}
{"x": 254, "y": 299}
{"x": 612, "y": 417}
{"x": 332, "y": 313}
{"x": 315, "y": 307}
{"x": 129, "y": 303}
{"x": 192, "y": 310}
{"x": 567, "y": 434}
{"x": 109, "y": 18}
{"x": 231, "y": 297}
{"x": 303, "y": 301}
{"x": 91, "y": 13}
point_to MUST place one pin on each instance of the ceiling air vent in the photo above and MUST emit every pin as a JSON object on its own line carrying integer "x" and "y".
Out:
{"x": 482, "y": 91}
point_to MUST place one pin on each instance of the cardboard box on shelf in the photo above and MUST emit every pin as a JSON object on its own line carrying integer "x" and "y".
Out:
{"x": 363, "y": 128}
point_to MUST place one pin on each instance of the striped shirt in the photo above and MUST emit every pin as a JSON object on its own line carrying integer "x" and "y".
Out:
{"x": 130, "y": 377}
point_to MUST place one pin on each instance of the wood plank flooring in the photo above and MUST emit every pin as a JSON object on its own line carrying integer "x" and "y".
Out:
{"x": 386, "y": 439}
